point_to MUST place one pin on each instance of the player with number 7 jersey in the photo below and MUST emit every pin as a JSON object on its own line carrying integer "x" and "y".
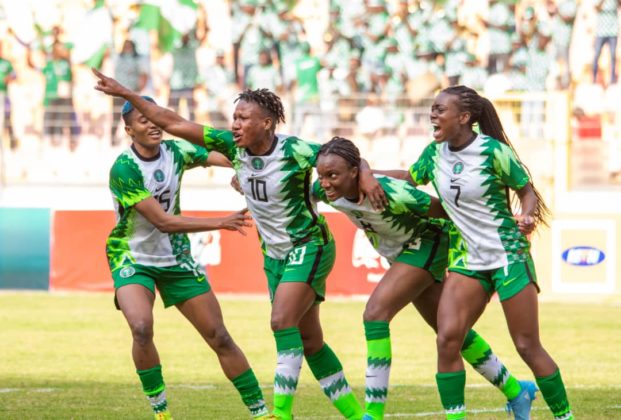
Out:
{"x": 411, "y": 233}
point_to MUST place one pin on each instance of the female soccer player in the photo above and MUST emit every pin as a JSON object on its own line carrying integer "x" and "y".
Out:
{"x": 472, "y": 174}
{"x": 417, "y": 248}
{"x": 275, "y": 173}
{"x": 149, "y": 248}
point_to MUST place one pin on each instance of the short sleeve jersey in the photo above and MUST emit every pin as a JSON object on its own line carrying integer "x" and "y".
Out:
{"x": 472, "y": 184}
{"x": 6, "y": 68}
{"x": 277, "y": 188}
{"x": 134, "y": 240}
{"x": 399, "y": 225}
{"x": 55, "y": 72}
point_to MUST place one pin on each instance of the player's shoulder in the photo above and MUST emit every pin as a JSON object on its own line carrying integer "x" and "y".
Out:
{"x": 124, "y": 163}
{"x": 491, "y": 145}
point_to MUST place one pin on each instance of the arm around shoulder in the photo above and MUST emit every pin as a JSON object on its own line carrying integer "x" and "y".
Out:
{"x": 170, "y": 223}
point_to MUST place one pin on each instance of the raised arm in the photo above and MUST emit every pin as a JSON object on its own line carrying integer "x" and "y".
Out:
{"x": 164, "y": 118}
{"x": 168, "y": 223}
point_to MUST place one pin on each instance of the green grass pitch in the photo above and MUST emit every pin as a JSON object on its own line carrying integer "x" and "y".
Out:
{"x": 67, "y": 356}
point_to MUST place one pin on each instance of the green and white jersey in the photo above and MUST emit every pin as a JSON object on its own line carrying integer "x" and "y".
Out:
{"x": 277, "y": 187}
{"x": 134, "y": 240}
{"x": 400, "y": 225}
{"x": 472, "y": 184}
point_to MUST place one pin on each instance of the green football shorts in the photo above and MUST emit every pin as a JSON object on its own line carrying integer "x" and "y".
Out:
{"x": 175, "y": 284}
{"x": 428, "y": 253}
{"x": 308, "y": 263}
{"x": 507, "y": 281}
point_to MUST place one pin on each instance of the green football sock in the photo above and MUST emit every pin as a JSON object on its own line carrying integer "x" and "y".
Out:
{"x": 328, "y": 370}
{"x": 154, "y": 388}
{"x": 248, "y": 387}
{"x": 451, "y": 388}
{"x": 553, "y": 391}
{"x": 379, "y": 358}
{"x": 479, "y": 354}
{"x": 289, "y": 362}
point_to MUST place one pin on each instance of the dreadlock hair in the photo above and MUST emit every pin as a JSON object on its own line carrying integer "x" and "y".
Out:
{"x": 341, "y": 147}
{"x": 483, "y": 113}
{"x": 268, "y": 101}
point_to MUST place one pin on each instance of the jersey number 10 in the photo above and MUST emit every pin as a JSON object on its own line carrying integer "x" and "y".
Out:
{"x": 259, "y": 189}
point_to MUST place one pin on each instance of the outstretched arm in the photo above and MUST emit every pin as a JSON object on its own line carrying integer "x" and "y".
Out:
{"x": 162, "y": 117}
{"x": 169, "y": 223}
{"x": 395, "y": 173}
{"x": 218, "y": 159}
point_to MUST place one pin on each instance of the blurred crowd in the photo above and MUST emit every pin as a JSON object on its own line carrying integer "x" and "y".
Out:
{"x": 349, "y": 67}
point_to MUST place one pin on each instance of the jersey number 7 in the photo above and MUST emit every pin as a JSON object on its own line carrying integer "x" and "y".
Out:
{"x": 458, "y": 188}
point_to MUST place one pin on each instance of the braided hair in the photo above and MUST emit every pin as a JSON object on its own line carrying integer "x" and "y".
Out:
{"x": 483, "y": 113}
{"x": 341, "y": 147}
{"x": 268, "y": 101}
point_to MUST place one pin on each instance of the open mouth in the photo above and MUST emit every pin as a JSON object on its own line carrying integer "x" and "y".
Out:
{"x": 436, "y": 131}
{"x": 237, "y": 137}
{"x": 155, "y": 133}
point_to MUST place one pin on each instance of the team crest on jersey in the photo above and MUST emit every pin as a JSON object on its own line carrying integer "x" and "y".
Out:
{"x": 127, "y": 272}
{"x": 458, "y": 168}
{"x": 257, "y": 163}
{"x": 158, "y": 175}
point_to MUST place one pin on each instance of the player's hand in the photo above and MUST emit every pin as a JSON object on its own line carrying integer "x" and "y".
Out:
{"x": 236, "y": 185}
{"x": 236, "y": 221}
{"x": 525, "y": 223}
{"x": 369, "y": 187}
{"x": 108, "y": 85}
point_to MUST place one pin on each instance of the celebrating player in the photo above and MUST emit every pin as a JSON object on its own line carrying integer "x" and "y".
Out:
{"x": 472, "y": 174}
{"x": 149, "y": 248}
{"x": 275, "y": 173}
{"x": 417, "y": 248}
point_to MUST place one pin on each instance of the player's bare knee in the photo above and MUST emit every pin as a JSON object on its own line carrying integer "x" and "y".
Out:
{"x": 375, "y": 312}
{"x": 448, "y": 342}
{"x": 142, "y": 332}
{"x": 219, "y": 339}
{"x": 280, "y": 322}
{"x": 528, "y": 348}
{"x": 312, "y": 343}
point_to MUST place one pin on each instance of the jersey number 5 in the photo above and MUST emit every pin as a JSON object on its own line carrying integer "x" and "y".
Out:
{"x": 164, "y": 199}
{"x": 259, "y": 189}
{"x": 458, "y": 191}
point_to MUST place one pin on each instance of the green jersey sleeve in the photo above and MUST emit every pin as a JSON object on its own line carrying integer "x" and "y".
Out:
{"x": 422, "y": 170}
{"x": 319, "y": 193}
{"x": 191, "y": 155}
{"x": 508, "y": 168}
{"x": 304, "y": 153}
{"x": 127, "y": 183}
{"x": 220, "y": 141}
{"x": 404, "y": 197}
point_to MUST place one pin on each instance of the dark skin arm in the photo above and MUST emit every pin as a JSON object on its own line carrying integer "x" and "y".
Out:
{"x": 164, "y": 118}
{"x": 168, "y": 223}
{"x": 369, "y": 187}
{"x": 436, "y": 210}
{"x": 395, "y": 173}
{"x": 528, "y": 200}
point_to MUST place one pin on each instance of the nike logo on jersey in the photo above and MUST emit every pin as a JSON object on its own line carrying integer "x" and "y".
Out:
{"x": 454, "y": 179}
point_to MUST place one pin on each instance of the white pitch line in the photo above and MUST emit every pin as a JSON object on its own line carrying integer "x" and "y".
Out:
{"x": 7, "y": 390}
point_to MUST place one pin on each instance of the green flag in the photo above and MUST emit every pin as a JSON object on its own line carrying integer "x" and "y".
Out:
{"x": 170, "y": 18}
